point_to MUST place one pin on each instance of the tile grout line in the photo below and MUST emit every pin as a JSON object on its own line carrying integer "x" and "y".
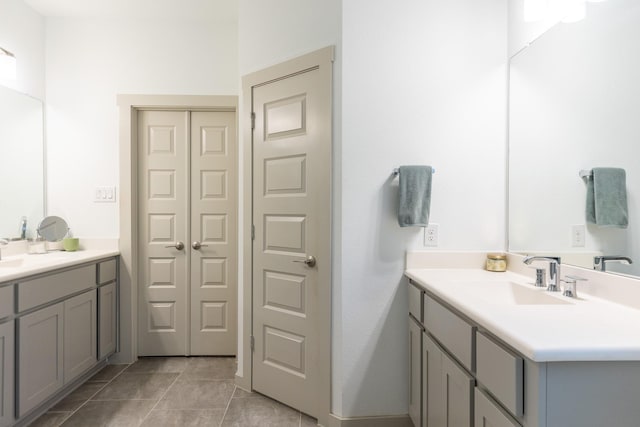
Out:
{"x": 235, "y": 387}
{"x": 93, "y": 395}
{"x": 162, "y": 397}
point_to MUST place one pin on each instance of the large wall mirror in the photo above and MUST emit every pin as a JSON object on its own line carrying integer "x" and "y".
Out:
{"x": 22, "y": 162}
{"x": 575, "y": 105}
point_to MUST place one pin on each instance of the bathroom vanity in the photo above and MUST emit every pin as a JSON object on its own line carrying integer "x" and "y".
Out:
{"x": 490, "y": 349}
{"x": 58, "y": 326}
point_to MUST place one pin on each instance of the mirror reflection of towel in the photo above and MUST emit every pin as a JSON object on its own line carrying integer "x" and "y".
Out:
{"x": 607, "y": 198}
{"x": 415, "y": 196}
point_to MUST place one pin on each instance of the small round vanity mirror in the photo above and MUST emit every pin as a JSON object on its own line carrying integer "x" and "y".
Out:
{"x": 53, "y": 228}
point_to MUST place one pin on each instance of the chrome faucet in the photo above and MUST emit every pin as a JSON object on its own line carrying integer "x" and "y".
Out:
{"x": 600, "y": 262}
{"x": 3, "y": 242}
{"x": 554, "y": 270}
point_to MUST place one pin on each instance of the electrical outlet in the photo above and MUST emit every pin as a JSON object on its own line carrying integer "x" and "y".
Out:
{"x": 578, "y": 237}
{"x": 105, "y": 195}
{"x": 431, "y": 235}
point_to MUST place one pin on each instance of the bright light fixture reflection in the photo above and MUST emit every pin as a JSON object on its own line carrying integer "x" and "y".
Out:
{"x": 535, "y": 10}
{"x": 576, "y": 11}
{"x": 7, "y": 65}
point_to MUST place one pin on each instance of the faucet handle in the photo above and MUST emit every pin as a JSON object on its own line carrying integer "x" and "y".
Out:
{"x": 571, "y": 289}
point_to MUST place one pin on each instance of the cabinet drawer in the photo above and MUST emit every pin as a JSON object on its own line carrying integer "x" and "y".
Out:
{"x": 488, "y": 413}
{"x": 50, "y": 288}
{"x": 501, "y": 372}
{"x": 106, "y": 271}
{"x": 455, "y": 334}
{"x": 415, "y": 302}
{"x": 6, "y": 301}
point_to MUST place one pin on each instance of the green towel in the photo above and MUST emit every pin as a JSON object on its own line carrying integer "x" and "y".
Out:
{"x": 607, "y": 198}
{"x": 415, "y": 196}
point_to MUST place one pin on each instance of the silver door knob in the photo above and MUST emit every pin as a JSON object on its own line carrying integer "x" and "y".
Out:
{"x": 178, "y": 245}
{"x": 309, "y": 261}
{"x": 197, "y": 245}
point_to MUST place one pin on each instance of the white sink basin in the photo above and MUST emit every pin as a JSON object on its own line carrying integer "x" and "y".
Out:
{"x": 20, "y": 261}
{"x": 512, "y": 293}
{"x": 11, "y": 263}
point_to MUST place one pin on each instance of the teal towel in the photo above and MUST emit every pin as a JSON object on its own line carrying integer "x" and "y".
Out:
{"x": 607, "y": 198}
{"x": 415, "y": 196}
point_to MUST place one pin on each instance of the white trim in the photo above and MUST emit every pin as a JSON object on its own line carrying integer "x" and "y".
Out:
{"x": 128, "y": 108}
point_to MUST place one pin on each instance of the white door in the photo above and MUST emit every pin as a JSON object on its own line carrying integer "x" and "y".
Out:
{"x": 213, "y": 227}
{"x": 187, "y": 209}
{"x": 291, "y": 216}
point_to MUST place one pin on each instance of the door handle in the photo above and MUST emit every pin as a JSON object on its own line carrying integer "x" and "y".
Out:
{"x": 178, "y": 245}
{"x": 309, "y": 261}
{"x": 197, "y": 245}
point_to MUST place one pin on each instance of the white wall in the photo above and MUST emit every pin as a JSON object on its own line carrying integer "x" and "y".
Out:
{"x": 424, "y": 82}
{"x": 22, "y": 33}
{"x": 276, "y": 30}
{"x": 89, "y": 61}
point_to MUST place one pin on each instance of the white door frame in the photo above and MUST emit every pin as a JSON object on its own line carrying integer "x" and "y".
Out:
{"x": 323, "y": 59}
{"x": 128, "y": 138}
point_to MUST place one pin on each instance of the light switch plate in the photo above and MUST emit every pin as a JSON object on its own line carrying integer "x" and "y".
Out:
{"x": 105, "y": 195}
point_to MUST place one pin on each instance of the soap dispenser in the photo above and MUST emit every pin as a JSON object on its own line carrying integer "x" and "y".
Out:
{"x": 23, "y": 228}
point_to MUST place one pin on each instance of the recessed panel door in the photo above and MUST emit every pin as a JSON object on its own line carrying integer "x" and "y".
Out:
{"x": 291, "y": 211}
{"x": 163, "y": 194}
{"x": 213, "y": 233}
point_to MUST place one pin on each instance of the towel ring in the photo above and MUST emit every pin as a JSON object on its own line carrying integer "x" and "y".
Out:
{"x": 396, "y": 171}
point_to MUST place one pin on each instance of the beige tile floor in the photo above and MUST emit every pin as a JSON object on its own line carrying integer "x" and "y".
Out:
{"x": 169, "y": 391}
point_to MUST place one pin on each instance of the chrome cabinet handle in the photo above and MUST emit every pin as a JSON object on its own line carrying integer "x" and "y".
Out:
{"x": 197, "y": 245}
{"x": 178, "y": 245}
{"x": 309, "y": 261}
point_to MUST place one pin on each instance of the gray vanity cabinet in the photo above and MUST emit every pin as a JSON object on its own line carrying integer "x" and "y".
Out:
{"x": 80, "y": 335}
{"x": 66, "y": 327}
{"x": 40, "y": 356}
{"x": 7, "y": 350}
{"x": 471, "y": 378}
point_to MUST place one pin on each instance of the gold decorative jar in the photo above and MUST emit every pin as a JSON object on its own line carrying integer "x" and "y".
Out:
{"x": 496, "y": 262}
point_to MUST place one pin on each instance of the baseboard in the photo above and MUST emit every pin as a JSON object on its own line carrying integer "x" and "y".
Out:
{"x": 384, "y": 421}
{"x": 243, "y": 382}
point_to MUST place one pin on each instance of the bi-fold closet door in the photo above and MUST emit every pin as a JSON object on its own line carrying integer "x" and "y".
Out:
{"x": 187, "y": 192}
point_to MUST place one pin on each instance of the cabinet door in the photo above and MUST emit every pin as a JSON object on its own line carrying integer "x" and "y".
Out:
{"x": 415, "y": 379}
{"x": 433, "y": 403}
{"x": 488, "y": 414}
{"x": 458, "y": 391}
{"x": 447, "y": 389}
{"x": 40, "y": 356}
{"x": 7, "y": 350}
{"x": 80, "y": 329}
{"x": 107, "y": 320}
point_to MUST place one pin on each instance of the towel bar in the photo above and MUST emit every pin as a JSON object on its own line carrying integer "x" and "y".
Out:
{"x": 585, "y": 173}
{"x": 396, "y": 171}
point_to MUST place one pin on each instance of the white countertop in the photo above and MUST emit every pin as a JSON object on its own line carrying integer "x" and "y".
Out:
{"x": 19, "y": 266}
{"x": 583, "y": 329}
